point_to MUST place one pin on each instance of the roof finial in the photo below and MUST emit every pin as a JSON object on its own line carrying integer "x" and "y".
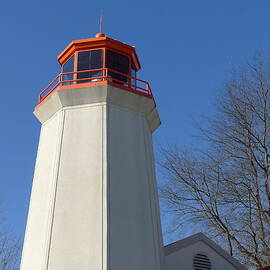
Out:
{"x": 100, "y": 34}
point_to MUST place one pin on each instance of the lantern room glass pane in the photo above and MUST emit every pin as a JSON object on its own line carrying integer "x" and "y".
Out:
{"x": 68, "y": 67}
{"x": 89, "y": 60}
{"x": 119, "y": 63}
{"x": 133, "y": 79}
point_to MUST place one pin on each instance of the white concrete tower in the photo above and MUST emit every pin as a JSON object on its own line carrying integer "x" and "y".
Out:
{"x": 94, "y": 203}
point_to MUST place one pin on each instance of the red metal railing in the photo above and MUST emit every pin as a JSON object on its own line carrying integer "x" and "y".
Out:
{"x": 122, "y": 80}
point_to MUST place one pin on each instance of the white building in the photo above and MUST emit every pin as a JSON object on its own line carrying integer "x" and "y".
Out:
{"x": 198, "y": 252}
{"x": 94, "y": 203}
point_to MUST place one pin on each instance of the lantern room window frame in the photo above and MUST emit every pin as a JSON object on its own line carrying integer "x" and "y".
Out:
{"x": 104, "y": 60}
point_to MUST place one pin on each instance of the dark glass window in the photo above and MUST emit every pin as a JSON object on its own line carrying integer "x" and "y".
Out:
{"x": 117, "y": 62}
{"x": 68, "y": 67}
{"x": 89, "y": 60}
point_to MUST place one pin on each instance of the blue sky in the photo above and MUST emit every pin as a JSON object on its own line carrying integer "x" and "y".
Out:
{"x": 186, "y": 49}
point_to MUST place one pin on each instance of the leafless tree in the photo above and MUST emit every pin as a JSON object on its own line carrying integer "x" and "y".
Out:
{"x": 9, "y": 252}
{"x": 10, "y": 247}
{"x": 224, "y": 184}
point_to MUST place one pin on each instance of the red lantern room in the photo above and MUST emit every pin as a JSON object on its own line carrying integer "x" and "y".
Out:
{"x": 98, "y": 61}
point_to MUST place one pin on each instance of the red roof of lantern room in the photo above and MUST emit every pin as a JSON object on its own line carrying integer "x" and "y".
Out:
{"x": 100, "y": 41}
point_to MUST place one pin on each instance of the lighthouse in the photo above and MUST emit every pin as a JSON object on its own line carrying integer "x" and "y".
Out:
{"x": 94, "y": 203}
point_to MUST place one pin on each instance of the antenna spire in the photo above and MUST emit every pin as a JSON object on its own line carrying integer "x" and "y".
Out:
{"x": 100, "y": 34}
{"x": 101, "y": 21}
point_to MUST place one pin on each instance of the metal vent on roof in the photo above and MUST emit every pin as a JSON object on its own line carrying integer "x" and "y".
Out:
{"x": 201, "y": 262}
